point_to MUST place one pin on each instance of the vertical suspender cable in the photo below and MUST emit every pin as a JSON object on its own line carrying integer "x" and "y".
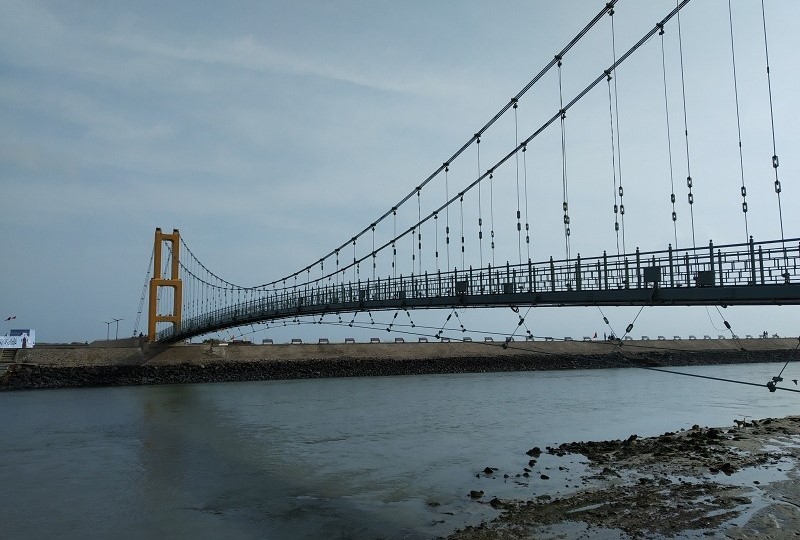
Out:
{"x": 686, "y": 133}
{"x": 565, "y": 204}
{"x": 491, "y": 212}
{"x": 436, "y": 239}
{"x": 461, "y": 202}
{"x": 620, "y": 191}
{"x": 516, "y": 159}
{"x": 738, "y": 124}
{"x": 337, "y": 269}
{"x": 394, "y": 246}
{"x": 772, "y": 123}
{"x": 413, "y": 236}
{"x": 613, "y": 159}
{"x": 527, "y": 221}
{"x": 190, "y": 298}
{"x": 195, "y": 286}
{"x": 480, "y": 210}
{"x": 669, "y": 141}
{"x": 447, "y": 213}
{"x": 355, "y": 266}
{"x": 419, "y": 230}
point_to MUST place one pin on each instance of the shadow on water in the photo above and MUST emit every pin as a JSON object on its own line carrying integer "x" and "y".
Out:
{"x": 206, "y": 475}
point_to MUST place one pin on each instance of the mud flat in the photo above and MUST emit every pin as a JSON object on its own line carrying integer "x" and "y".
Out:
{"x": 739, "y": 482}
{"x": 133, "y": 362}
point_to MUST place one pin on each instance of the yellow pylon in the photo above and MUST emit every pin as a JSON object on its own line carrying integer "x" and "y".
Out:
{"x": 157, "y": 281}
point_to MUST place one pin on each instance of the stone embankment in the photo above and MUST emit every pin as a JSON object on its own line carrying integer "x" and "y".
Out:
{"x": 136, "y": 362}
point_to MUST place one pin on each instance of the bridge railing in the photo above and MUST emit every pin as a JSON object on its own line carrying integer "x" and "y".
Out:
{"x": 733, "y": 265}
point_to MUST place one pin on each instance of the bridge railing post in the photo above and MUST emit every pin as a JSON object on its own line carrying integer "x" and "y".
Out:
{"x": 514, "y": 287}
{"x": 638, "y": 270}
{"x": 752, "y": 262}
{"x": 578, "y": 272}
{"x": 552, "y": 275}
{"x": 711, "y": 255}
{"x": 653, "y": 265}
{"x": 470, "y": 283}
{"x": 671, "y": 269}
{"x": 719, "y": 268}
{"x": 531, "y": 278}
{"x": 761, "y": 264}
{"x": 688, "y": 270}
{"x": 605, "y": 270}
{"x": 599, "y": 277}
{"x": 626, "y": 279}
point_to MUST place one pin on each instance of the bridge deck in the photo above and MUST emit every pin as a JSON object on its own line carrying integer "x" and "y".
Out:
{"x": 742, "y": 274}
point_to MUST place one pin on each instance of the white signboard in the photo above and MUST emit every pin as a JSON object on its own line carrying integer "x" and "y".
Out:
{"x": 18, "y": 339}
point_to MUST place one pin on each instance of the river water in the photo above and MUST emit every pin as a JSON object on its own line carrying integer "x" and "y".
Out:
{"x": 391, "y": 457}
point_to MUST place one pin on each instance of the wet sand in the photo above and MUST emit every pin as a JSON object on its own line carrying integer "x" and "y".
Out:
{"x": 739, "y": 482}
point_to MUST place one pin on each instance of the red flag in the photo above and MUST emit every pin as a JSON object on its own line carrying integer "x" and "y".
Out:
{"x": 11, "y": 318}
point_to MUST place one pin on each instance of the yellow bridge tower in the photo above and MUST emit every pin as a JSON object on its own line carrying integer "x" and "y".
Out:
{"x": 158, "y": 281}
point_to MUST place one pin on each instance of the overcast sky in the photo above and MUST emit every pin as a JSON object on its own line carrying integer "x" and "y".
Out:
{"x": 270, "y": 132}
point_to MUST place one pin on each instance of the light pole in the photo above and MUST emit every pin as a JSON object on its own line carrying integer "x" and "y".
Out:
{"x": 116, "y": 335}
{"x": 108, "y": 328}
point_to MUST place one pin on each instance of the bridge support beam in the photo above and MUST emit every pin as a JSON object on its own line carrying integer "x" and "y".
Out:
{"x": 158, "y": 281}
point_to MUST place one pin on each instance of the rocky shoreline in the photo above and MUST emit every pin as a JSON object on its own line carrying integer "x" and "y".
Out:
{"x": 738, "y": 483}
{"x": 207, "y": 367}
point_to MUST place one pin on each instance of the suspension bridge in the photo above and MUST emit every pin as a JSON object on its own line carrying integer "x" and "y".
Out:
{"x": 445, "y": 245}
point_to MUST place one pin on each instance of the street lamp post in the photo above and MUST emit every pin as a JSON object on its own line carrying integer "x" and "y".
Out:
{"x": 116, "y": 335}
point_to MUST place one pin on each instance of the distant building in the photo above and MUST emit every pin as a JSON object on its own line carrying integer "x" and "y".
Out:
{"x": 19, "y": 338}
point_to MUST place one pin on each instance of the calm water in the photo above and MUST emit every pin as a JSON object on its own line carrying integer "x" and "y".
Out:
{"x": 335, "y": 458}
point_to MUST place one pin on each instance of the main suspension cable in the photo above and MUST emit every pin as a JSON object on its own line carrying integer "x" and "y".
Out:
{"x": 608, "y": 6}
{"x": 523, "y": 144}
{"x": 144, "y": 291}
